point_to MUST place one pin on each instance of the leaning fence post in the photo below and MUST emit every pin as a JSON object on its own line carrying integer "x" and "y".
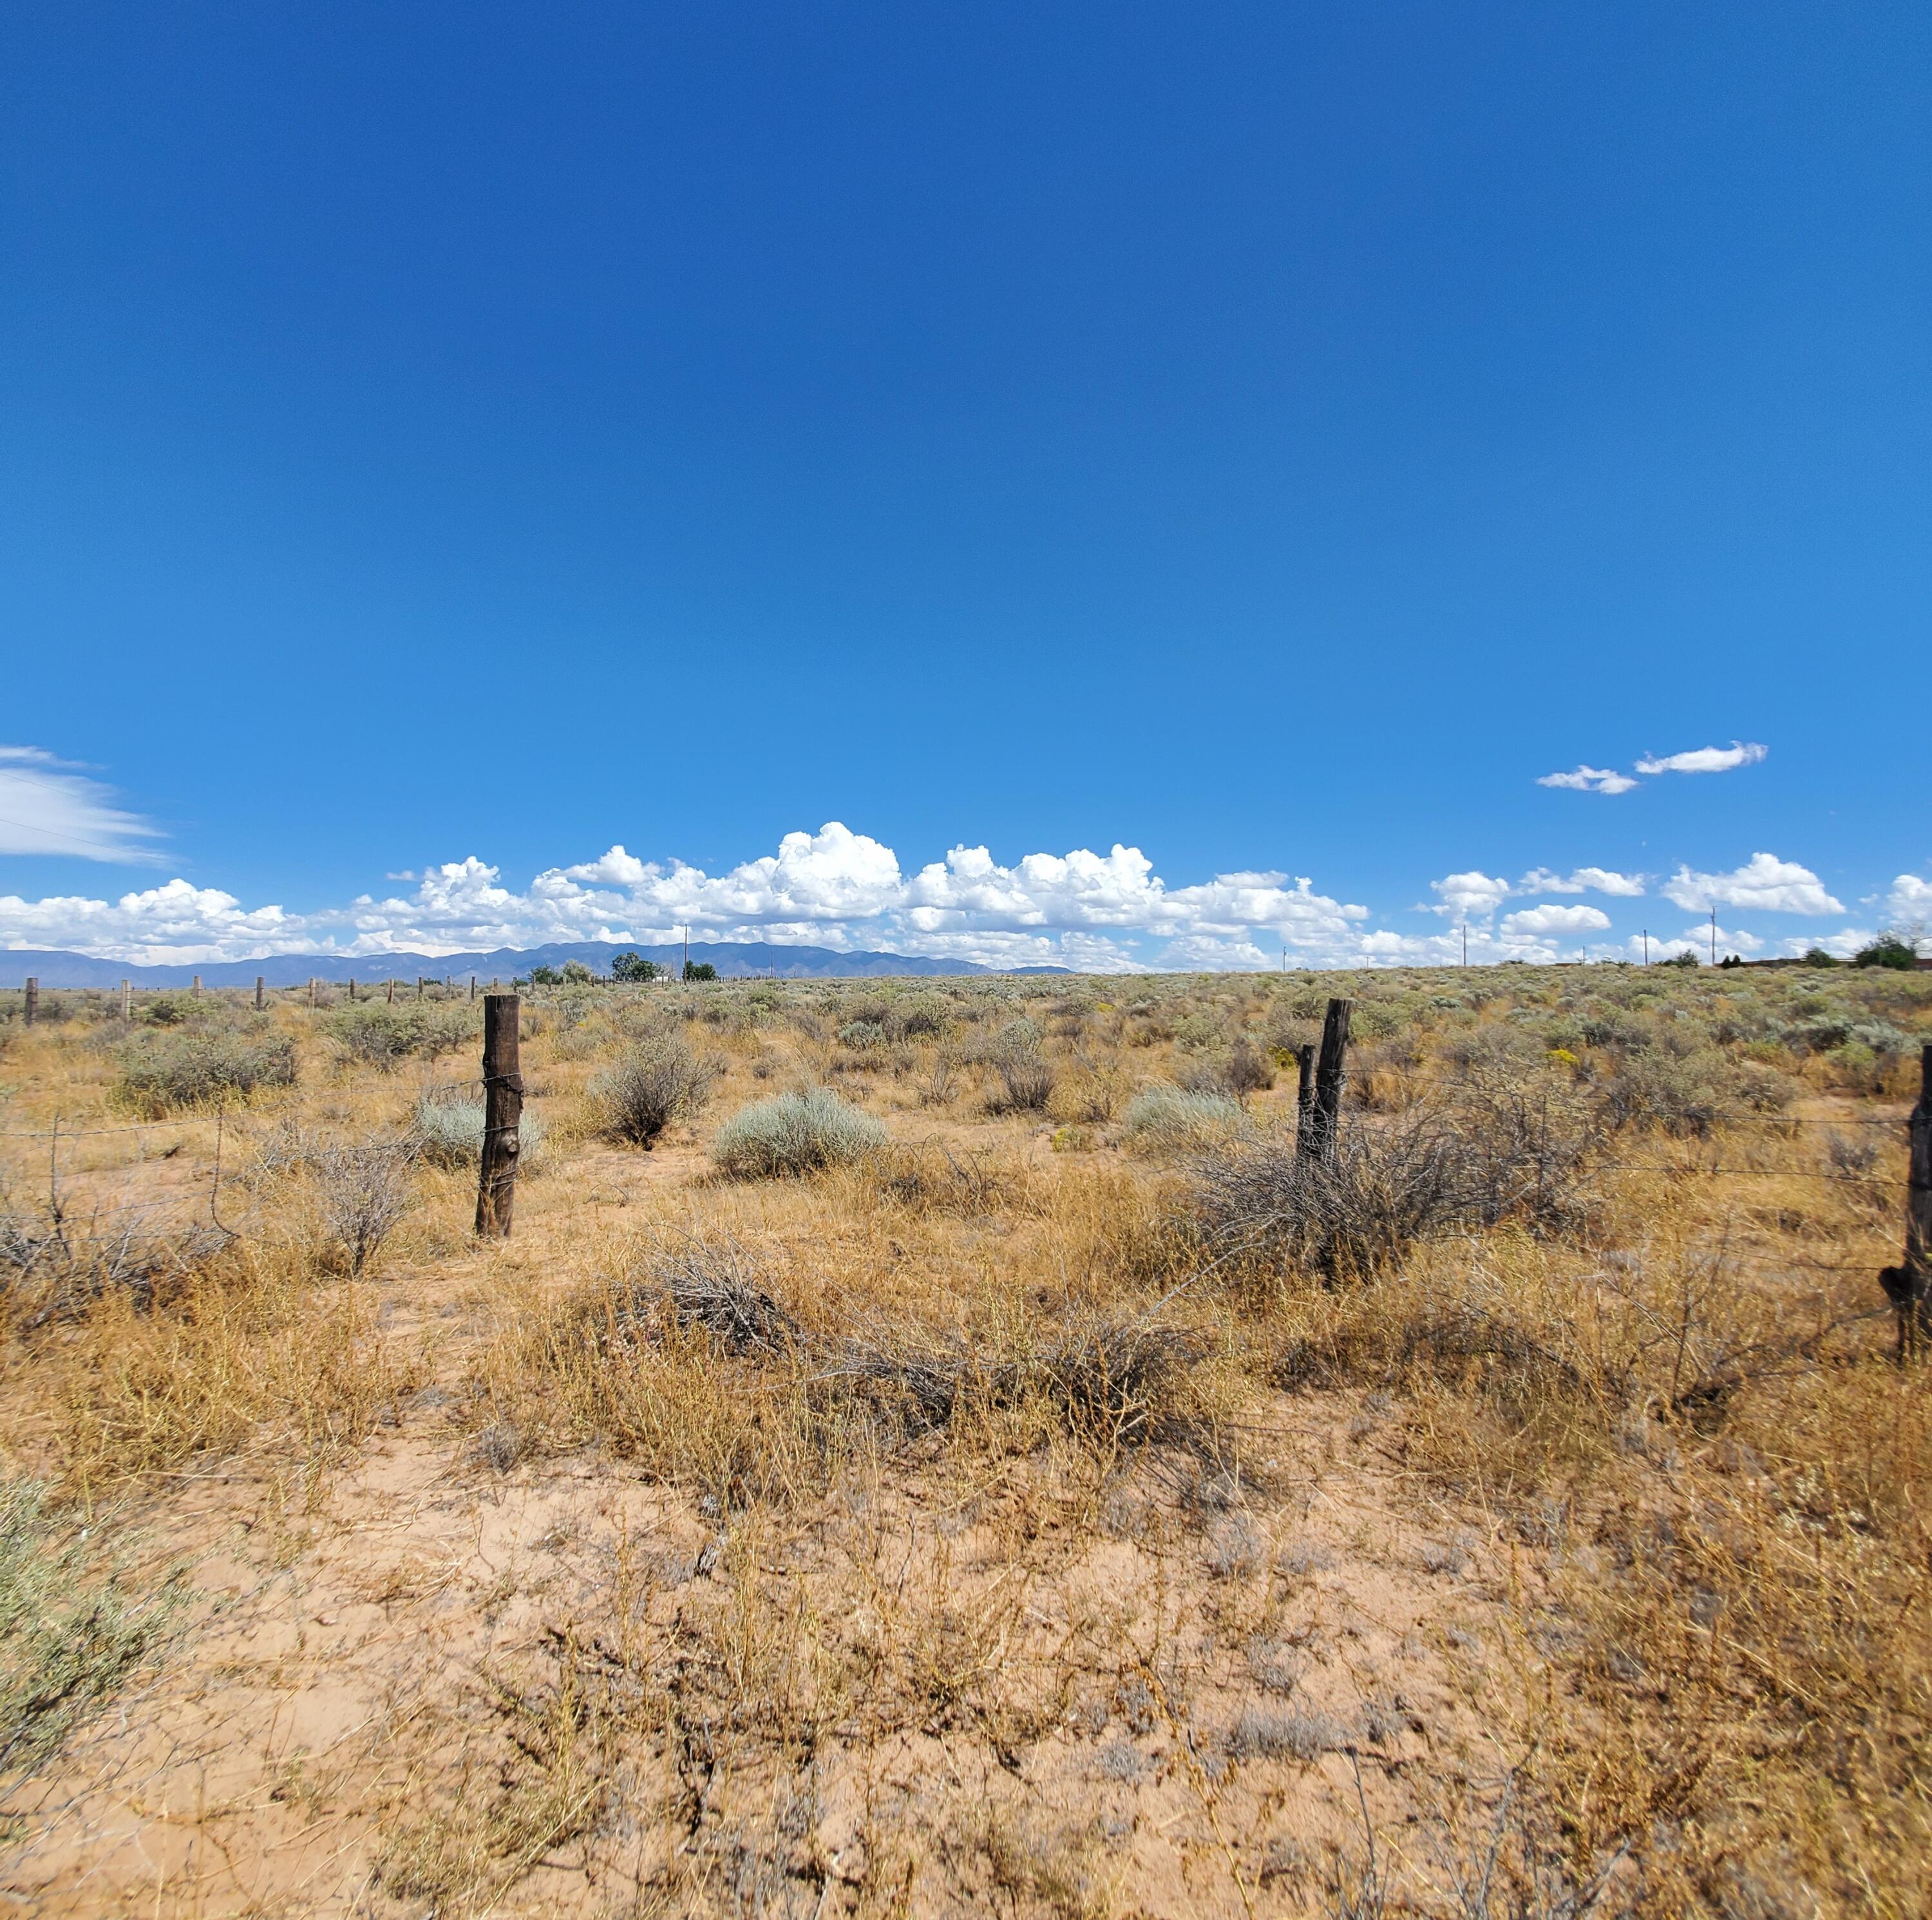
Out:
{"x": 32, "y": 997}
{"x": 502, "y": 1113}
{"x": 1331, "y": 1074}
{"x": 1909, "y": 1287}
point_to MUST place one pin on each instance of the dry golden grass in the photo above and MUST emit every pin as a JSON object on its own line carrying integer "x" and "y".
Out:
{"x": 962, "y": 1527}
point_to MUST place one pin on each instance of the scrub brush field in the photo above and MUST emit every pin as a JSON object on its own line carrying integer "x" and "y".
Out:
{"x": 936, "y": 1448}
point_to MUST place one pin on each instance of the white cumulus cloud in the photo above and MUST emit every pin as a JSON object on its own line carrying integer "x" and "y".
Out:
{"x": 1541, "y": 920}
{"x": 1764, "y": 884}
{"x": 1705, "y": 760}
{"x": 46, "y": 807}
{"x": 1590, "y": 780}
{"x": 1910, "y": 900}
{"x": 1469, "y": 896}
{"x": 834, "y": 888}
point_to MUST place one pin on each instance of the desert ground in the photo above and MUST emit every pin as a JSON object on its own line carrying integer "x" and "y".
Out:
{"x": 943, "y": 1447}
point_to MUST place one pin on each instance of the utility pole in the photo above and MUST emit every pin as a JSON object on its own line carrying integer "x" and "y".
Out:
{"x": 1465, "y": 943}
{"x": 686, "y": 974}
{"x": 1646, "y": 946}
{"x": 1713, "y": 936}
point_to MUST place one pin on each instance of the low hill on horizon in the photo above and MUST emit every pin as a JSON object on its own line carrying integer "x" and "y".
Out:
{"x": 734, "y": 960}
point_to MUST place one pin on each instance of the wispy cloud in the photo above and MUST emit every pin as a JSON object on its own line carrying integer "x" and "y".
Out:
{"x": 1705, "y": 760}
{"x": 1587, "y": 779}
{"x": 1764, "y": 884}
{"x": 1590, "y": 780}
{"x": 1584, "y": 879}
{"x": 47, "y": 807}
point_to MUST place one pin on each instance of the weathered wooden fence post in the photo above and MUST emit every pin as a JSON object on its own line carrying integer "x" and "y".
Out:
{"x": 1304, "y": 1099}
{"x": 473, "y": 986}
{"x": 419, "y": 986}
{"x": 30, "y": 1012}
{"x": 260, "y": 983}
{"x": 1909, "y": 1287}
{"x": 352, "y": 989}
{"x": 127, "y": 1000}
{"x": 389, "y": 997}
{"x": 311, "y": 993}
{"x": 503, "y": 1114}
{"x": 197, "y": 986}
{"x": 1331, "y": 1074}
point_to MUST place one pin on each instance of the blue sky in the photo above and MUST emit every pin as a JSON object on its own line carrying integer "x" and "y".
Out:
{"x": 1237, "y": 440}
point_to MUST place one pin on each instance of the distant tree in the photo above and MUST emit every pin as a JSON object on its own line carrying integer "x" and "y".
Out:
{"x": 700, "y": 969}
{"x": 545, "y": 977}
{"x": 1889, "y": 949}
{"x": 1816, "y": 956}
{"x": 629, "y": 967}
{"x": 577, "y": 973}
{"x": 1686, "y": 958}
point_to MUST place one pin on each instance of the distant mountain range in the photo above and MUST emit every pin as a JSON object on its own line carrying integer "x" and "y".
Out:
{"x": 733, "y": 960}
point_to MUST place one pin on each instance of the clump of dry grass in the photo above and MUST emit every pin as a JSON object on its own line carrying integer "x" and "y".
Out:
{"x": 238, "y": 1352}
{"x": 1111, "y": 1380}
{"x": 54, "y": 1264}
{"x": 930, "y": 1176}
{"x": 687, "y": 1357}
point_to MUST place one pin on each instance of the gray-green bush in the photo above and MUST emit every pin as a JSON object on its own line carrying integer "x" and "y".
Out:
{"x": 795, "y": 1133}
{"x": 447, "y": 1131}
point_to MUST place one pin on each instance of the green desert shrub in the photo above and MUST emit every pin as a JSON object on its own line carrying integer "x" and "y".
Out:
{"x": 795, "y": 1133}
{"x": 168, "y": 1069}
{"x": 381, "y": 1035}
